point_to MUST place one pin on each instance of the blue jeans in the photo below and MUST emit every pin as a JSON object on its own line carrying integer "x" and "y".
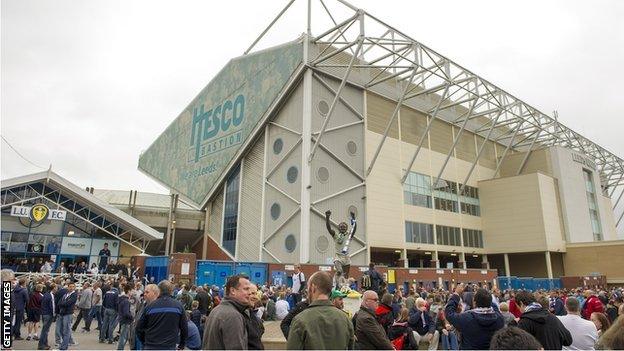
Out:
{"x": 96, "y": 311}
{"x": 57, "y": 331}
{"x": 45, "y": 330}
{"x": 449, "y": 342}
{"x": 19, "y": 318}
{"x": 123, "y": 336}
{"x": 65, "y": 331}
{"x": 108, "y": 324}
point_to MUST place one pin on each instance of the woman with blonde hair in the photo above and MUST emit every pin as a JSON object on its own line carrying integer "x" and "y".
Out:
{"x": 400, "y": 334}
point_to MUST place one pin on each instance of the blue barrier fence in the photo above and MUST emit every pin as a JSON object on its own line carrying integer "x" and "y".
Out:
{"x": 217, "y": 272}
{"x": 157, "y": 267}
{"x": 528, "y": 283}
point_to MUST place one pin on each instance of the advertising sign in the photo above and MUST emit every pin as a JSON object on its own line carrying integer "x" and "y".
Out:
{"x": 98, "y": 244}
{"x": 75, "y": 246}
{"x": 191, "y": 154}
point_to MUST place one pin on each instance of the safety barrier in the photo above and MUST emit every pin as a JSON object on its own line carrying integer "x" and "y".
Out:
{"x": 217, "y": 272}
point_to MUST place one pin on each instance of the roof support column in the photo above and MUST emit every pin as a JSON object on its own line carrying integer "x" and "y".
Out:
{"x": 206, "y": 229}
{"x": 169, "y": 219}
{"x": 507, "y": 269}
{"x": 548, "y": 265}
{"x": 306, "y": 147}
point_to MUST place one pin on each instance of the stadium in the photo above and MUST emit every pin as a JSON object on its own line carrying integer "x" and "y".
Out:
{"x": 446, "y": 173}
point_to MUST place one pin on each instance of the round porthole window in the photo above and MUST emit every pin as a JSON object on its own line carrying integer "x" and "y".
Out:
{"x": 278, "y": 145}
{"x": 351, "y": 148}
{"x": 275, "y": 211}
{"x": 290, "y": 242}
{"x": 322, "y": 244}
{"x": 322, "y": 174}
{"x": 292, "y": 174}
{"x": 323, "y": 107}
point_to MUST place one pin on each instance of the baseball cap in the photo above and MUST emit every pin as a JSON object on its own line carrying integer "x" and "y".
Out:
{"x": 337, "y": 293}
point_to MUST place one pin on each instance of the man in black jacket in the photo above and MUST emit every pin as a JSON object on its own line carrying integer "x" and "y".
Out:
{"x": 285, "y": 324}
{"x": 161, "y": 322}
{"x": 66, "y": 309}
{"x": 125, "y": 317}
{"x": 540, "y": 323}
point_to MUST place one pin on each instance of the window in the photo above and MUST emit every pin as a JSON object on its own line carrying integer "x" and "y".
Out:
{"x": 418, "y": 233}
{"x": 593, "y": 206}
{"x": 445, "y": 193}
{"x": 472, "y": 238}
{"x": 448, "y": 235}
{"x": 469, "y": 199}
{"x": 417, "y": 190}
{"x": 230, "y": 215}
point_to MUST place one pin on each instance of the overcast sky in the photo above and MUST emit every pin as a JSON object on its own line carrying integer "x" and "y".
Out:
{"x": 87, "y": 85}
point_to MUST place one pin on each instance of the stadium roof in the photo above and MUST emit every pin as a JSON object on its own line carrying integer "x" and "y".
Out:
{"x": 52, "y": 187}
{"x": 365, "y": 51}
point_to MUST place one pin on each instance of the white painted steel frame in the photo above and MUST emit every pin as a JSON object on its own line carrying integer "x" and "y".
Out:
{"x": 389, "y": 55}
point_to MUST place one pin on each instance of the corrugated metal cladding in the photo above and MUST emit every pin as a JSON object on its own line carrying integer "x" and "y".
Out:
{"x": 488, "y": 155}
{"x": 216, "y": 218}
{"x": 281, "y": 212}
{"x": 413, "y": 125}
{"x": 379, "y": 110}
{"x": 337, "y": 166}
{"x": 250, "y": 205}
{"x": 441, "y": 136}
{"x": 465, "y": 148}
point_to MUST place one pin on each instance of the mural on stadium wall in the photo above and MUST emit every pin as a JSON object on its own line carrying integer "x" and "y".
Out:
{"x": 193, "y": 152}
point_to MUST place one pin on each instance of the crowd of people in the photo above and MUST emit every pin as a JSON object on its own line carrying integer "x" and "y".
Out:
{"x": 131, "y": 313}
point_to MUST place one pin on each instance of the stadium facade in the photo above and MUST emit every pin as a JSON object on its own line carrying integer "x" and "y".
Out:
{"x": 441, "y": 167}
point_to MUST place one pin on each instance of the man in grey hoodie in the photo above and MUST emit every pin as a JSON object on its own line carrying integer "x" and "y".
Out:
{"x": 84, "y": 304}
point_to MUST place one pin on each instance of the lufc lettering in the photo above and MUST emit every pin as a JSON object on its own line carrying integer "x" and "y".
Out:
{"x": 207, "y": 125}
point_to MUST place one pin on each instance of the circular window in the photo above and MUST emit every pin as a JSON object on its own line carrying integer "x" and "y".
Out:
{"x": 351, "y": 148}
{"x": 275, "y": 211}
{"x": 292, "y": 174}
{"x": 290, "y": 243}
{"x": 322, "y": 244}
{"x": 278, "y": 145}
{"x": 323, "y": 107}
{"x": 352, "y": 209}
{"x": 322, "y": 174}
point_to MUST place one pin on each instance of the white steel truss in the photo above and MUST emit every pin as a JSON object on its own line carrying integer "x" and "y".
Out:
{"x": 83, "y": 215}
{"x": 363, "y": 45}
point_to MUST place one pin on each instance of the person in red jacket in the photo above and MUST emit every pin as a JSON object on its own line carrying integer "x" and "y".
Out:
{"x": 383, "y": 313}
{"x": 592, "y": 304}
{"x": 513, "y": 307}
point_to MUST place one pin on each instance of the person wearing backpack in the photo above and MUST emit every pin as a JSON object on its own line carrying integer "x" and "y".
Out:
{"x": 400, "y": 334}
{"x": 299, "y": 284}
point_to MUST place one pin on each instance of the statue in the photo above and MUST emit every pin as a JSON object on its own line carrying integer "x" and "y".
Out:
{"x": 342, "y": 239}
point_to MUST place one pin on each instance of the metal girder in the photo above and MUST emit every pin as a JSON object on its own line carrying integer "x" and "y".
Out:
{"x": 110, "y": 226}
{"x": 384, "y": 56}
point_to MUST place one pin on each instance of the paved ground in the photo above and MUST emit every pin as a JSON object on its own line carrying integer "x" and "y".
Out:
{"x": 272, "y": 339}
